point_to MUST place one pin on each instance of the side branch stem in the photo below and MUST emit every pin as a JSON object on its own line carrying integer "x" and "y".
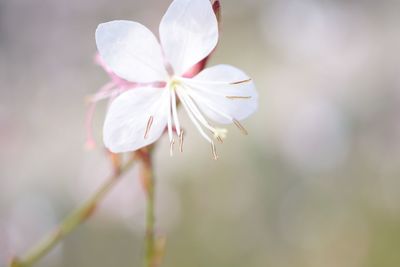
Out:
{"x": 72, "y": 221}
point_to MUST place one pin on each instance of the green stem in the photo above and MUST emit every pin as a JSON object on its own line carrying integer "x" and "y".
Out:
{"x": 73, "y": 220}
{"x": 149, "y": 186}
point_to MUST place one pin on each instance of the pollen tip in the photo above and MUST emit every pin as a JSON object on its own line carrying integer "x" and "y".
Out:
{"x": 240, "y": 127}
{"x": 236, "y": 97}
{"x": 242, "y": 81}
{"x": 214, "y": 151}
{"x": 181, "y": 141}
{"x": 220, "y": 134}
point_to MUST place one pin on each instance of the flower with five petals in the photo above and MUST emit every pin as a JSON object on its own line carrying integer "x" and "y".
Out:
{"x": 188, "y": 33}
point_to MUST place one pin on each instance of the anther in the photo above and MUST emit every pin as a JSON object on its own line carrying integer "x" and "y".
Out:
{"x": 149, "y": 123}
{"x": 234, "y": 97}
{"x": 218, "y": 136}
{"x": 181, "y": 141}
{"x": 242, "y": 81}
{"x": 241, "y": 128}
{"x": 214, "y": 151}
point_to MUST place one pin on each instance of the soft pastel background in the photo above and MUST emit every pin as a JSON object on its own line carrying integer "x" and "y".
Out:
{"x": 316, "y": 183}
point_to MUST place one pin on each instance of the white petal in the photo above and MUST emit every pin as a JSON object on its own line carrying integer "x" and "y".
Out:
{"x": 224, "y": 93}
{"x": 130, "y": 115}
{"x": 188, "y": 33}
{"x": 131, "y": 51}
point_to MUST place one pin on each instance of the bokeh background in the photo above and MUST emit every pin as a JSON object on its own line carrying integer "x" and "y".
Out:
{"x": 316, "y": 183}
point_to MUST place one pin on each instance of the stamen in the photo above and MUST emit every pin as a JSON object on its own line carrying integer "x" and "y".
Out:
{"x": 181, "y": 141}
{"x": 233, "y": 97}
{"x": 198, "y": 115}
{"x": 171, "y": 147}
{"x": 169, "y": 118}
{"x": 241, "y": 128}
{"x": 242, "y": 81}
{"x": 196, "y": 112}
{"x": 175, "y": 113}
{"x": 214, "y": 151}
{"x": 236, "y": 122}
{"x": 199, "y": 82}
{"x": 149, "y": 123}
{"x": 220, "y": 134}
{"x": 205, "y": 102}
{"x": 191, "y": 116}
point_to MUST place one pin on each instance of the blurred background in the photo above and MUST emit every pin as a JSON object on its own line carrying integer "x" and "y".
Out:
{"x": 316, "y": 183}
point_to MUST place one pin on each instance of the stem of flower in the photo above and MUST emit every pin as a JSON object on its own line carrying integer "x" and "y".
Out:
{"x": 148, "y": 181}
{"x": 72, "y": 221}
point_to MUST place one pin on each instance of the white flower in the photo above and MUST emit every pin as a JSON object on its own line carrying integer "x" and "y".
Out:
{"x": 188, "y": 34}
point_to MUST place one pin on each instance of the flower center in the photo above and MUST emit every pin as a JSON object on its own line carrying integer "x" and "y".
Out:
{"x": 173, "y": 83}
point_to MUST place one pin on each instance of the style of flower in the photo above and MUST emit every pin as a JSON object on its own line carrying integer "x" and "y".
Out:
{"x": 110, "y": 91}
{"x": 188, "y": 34}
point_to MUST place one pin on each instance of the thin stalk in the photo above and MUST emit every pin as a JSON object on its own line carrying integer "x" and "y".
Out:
{"x": 72, "y": 221}
{"x": 147, "y": 176}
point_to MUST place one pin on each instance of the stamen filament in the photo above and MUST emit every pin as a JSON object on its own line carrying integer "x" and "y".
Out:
{"x": 175, "y": 113}
{"x": 214, "y": 151}
{"x": 199, "y": 115}
{"x": 171, "y": 147}
{"x": 236, "y": 122}
{"x": 169, "y": 118}
{"x": 191, "y": 116}
{"x": 205, "y": 102}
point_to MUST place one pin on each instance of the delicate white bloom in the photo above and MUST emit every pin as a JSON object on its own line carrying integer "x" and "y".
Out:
{"x": 188, "y": 34}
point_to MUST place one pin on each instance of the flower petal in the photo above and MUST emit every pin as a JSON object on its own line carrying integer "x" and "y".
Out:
{"x": 188, "y": 33}
{"x": 224, "y": 93}
{"x": 131, "y": 51}
{"x": 135, "y": 119}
